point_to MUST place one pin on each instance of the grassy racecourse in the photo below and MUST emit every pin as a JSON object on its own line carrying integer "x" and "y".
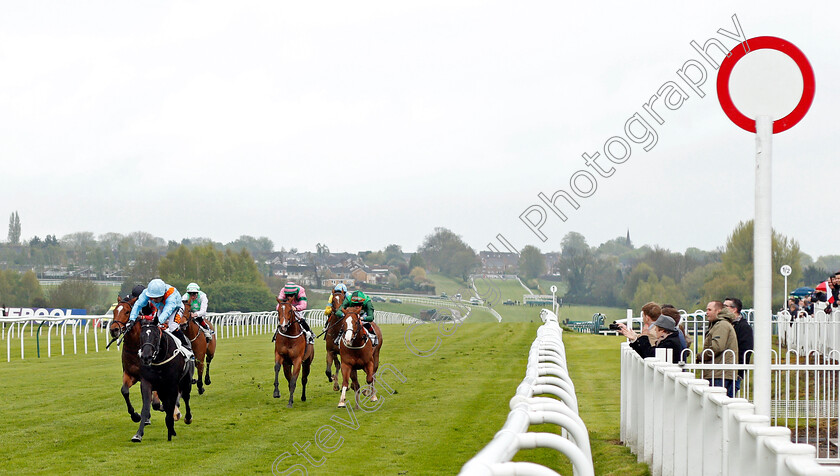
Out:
{"x": 65, "y": 414}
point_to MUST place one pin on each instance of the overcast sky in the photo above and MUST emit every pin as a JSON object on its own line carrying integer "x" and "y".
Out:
{"x": 360, "y": 124}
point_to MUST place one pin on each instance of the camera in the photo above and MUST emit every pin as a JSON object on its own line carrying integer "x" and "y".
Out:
{"x": 614, "y": 326}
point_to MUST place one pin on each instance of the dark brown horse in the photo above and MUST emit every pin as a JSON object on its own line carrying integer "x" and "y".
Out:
{"x": 357, "y": 353}
{"x": 130, "y": 349}
{"x": 291, "y": 352}
{"x": 200, "y": 347}
{"x": 332, "y": 329}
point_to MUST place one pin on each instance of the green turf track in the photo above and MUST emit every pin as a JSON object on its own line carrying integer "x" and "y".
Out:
{"x": 65, "y": 414}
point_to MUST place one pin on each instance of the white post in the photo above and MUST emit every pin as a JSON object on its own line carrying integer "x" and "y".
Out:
{"x": 763, "y": 262}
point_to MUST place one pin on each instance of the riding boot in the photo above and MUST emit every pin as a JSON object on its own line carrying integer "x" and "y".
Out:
{"x": 185, "y": 342}
{"x": 208, "y": 332}
{"x": 371, "y": 333}
{"x": 310, "y": 336}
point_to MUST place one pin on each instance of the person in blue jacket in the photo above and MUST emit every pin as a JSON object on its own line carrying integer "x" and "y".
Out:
{"x": 166, "y": 303}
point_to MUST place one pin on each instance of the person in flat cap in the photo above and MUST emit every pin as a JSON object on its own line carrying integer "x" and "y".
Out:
{"x": 663, "y": 335}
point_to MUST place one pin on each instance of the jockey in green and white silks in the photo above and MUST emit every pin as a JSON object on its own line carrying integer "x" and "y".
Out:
{"x": 358, "y": 298}
{"x": 296, "y": 295}
{"x": 196, "y": 300}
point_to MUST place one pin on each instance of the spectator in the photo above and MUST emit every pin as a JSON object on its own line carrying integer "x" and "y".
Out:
{"x": 744, "y": 333}
{"x": 650, "y": 313}
{"x": 674, "y": 314}
{"x": 720, "y": 346}
{"x": 663, "y": 334}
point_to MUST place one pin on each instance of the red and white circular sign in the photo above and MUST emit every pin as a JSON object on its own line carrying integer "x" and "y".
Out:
{"x": 759, "y": 43}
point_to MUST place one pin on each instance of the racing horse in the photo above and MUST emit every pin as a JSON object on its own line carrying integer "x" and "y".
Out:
{"x": 130, "y": 352}
{"x": 291, "y": 351}
{"x": 357, "y": 353}
{"x": 163, "y": 369}
{"x": 332, "y": 328}
{"x": 200, "y": 347}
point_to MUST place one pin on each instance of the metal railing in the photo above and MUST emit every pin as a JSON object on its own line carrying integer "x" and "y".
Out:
{"x": 94, "y": 329}
{"x": 546, "y": 374}
{"x": 679, "y": 425}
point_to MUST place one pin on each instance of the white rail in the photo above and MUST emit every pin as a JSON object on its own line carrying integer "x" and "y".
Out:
{"x": 86, "y": 328}
{"x": 546, "y": 374}
{"x": 679, "y": 425}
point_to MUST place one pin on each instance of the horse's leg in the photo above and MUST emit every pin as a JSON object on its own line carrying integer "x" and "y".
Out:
{"x": 169, "y": 407}
{"x": 146, "y": 412}
{"x": 337, "y": 364}
{"x": 156, "y": 402}
{"x": 345, "y": 379}
{"x": 307, "y": 362}
{"x": 199, "y": 366}
{"x": 186, "y": 387}
{"x": 128, "y": 381}
{"x": 354, "y": 377}
{"x": 209, "y": 358}
{"x": 329, "y": 369}
{"x": 291, "y": 370}
{"x": 371, "y": 376}
{"x": 277, "y": 366}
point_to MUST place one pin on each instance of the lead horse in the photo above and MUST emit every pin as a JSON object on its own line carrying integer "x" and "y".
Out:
{"x": 163, "y": 369}
{"x": 358, "y": 353}
{"x": 332, "y": 328}
{"x": 291, "y": 351}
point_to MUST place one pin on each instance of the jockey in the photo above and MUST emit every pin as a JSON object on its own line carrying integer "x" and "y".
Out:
{"x": 358, "y": 298}
{"x": 296, "y": 295}
{"x": 197, "y": 300}
{"x": 340, "y": 287}
{"x": 166, "y": 300}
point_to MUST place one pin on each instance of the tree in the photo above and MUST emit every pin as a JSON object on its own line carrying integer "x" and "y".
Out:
{"x": 418, "y": 274}
{"x": 738, "y": 261}
{"x": 446, "y": 252}
{"x": 576, "y": 266}
{"x": 531, "y": 262}
{"x": 78, "y": 294}
{"x": 14, "y": 228}
{"x": 813, "y": 275}
{"x": 416, "y": 260}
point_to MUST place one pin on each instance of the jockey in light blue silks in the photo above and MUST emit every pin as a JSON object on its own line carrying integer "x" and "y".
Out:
{"x": 167, "y": 305}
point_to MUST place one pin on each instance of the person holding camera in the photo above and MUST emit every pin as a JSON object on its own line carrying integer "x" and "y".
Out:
{"x": 663, "y": 334}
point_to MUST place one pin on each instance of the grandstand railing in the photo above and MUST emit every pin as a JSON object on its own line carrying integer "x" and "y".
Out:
{"x": 92, "y": 331}
{"x": 679, "y": 425}
{"x": 546, "y": 374}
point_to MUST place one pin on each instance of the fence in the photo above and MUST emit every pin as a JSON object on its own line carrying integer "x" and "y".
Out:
{"x": 679, "y": 425}
{"x": 95, "y": 328}
{"x": 546, "y": 374}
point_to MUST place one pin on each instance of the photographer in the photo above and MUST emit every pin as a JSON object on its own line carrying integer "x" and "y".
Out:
{"x": 663, "y": 334}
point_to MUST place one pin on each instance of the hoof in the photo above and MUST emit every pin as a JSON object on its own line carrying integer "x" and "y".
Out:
{"x": 335, "y": 387}
{"x": 177, "y": 416}
{"x": 157, "y": 406}
{"x": 188, "y": 420}
{"x": 193, "y": 381}
{"x": 136, "y": 439}
{"x": 201, "y": 390}
{"x": 289, "y": 405}
{"x": 207, "y": 381}
{"x": 341, "y": 405}
{"x": 276, "y": 394}
{"x": 303, "y": 398}
{"x": 135, "y": 417}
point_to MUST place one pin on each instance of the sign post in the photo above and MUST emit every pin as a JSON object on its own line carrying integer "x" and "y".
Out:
{"x": 554, "y": 300}
{"x": 764, "y": 126}
{"x": 786, "y": 270}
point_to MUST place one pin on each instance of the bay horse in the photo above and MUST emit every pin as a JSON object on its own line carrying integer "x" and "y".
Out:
{"x": 357, "y": 352}
{"x": 291, "y": 351}
{"x": 200, "y": 347}
{"x": 332, "y": 329}
{"x": 163, "y": 369}
{"x": 130, "y": 352}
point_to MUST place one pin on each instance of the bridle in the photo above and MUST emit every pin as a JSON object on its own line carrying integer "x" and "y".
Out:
{"x": 283, "y": 323}
{"x": 356, "y": 329}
